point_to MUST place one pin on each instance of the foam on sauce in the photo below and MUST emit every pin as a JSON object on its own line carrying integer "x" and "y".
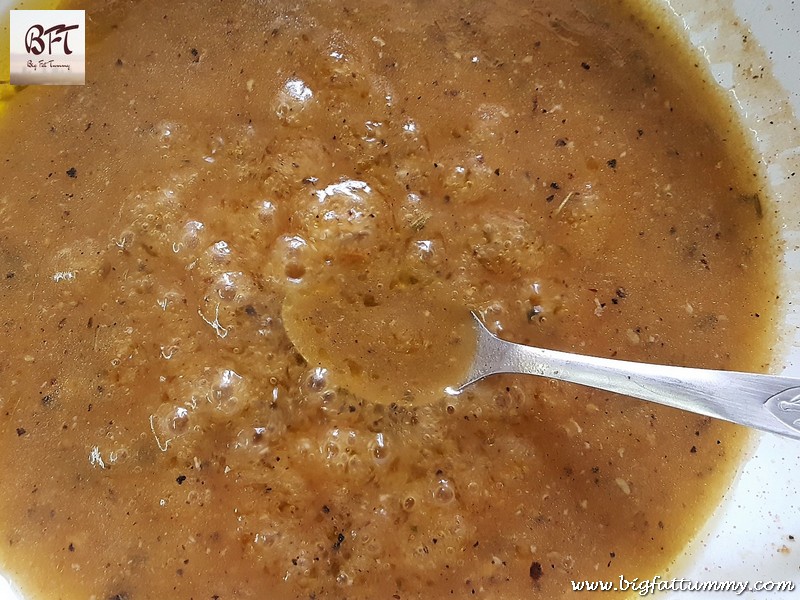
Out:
{"x": 235, "y": 173}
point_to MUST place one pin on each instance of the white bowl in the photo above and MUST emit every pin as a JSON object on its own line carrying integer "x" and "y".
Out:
{"x": 755, "y": 535}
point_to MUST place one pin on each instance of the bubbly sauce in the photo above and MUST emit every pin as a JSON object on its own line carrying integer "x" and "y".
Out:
{"x": 346, "y": 172}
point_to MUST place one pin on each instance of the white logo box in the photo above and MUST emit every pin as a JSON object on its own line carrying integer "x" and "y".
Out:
{"x": 47, "y": 47}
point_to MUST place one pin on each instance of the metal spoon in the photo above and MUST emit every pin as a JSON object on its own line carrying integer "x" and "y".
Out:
{"x": 764, "y": 402}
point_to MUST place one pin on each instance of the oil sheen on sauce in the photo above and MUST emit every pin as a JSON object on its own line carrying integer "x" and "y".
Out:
{"x": 556, "y": 166}
{"x": 378, "y": 338}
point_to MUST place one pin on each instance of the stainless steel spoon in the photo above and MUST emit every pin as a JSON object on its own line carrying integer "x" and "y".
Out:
{"x": 765, "y": 402}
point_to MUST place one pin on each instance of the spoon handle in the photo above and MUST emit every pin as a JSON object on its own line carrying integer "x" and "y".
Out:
{"x": 765, "y": 402}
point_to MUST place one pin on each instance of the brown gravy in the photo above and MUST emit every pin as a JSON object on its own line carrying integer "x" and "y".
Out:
{"x": 554, "y": 166}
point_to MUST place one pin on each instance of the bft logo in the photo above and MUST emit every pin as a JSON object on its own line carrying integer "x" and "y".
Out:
{"x": 35, "y": 38}
{"x": 48, "y": 47}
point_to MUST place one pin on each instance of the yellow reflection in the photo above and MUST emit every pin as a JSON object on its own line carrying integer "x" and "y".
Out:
{"x": 7, "y": 90}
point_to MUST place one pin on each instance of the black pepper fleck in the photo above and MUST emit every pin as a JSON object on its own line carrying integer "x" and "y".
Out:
{"x": 72, "y": 172}
{"x": 339, "y": 539}
{"x": 612, "y": 163}
{"x": 536, "y": 571}
{"x": 21, "y": 431}
{"x": 180, "y": 479}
